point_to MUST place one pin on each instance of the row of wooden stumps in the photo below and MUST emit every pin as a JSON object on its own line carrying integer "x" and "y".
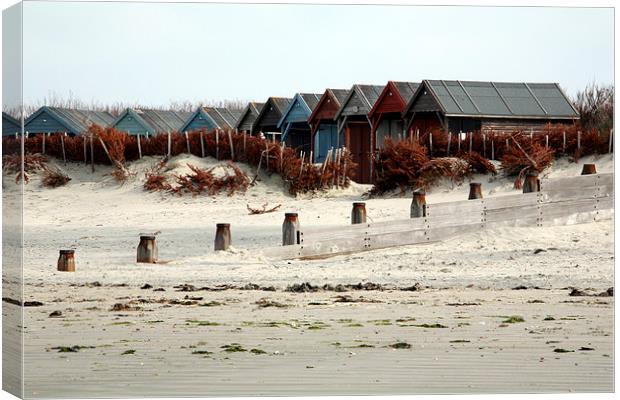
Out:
{"x": 291, "y": 232}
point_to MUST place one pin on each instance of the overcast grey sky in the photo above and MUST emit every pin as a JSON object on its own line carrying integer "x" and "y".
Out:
{"x": 156, "y": 53}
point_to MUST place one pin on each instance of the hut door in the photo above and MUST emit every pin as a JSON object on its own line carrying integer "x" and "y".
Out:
{"x": 359, "y": 134}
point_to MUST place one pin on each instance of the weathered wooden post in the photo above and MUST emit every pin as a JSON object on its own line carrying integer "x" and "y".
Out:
{"x": 418, "y": 204}
{"x": 169, "y": 145}
{"x": 588, "y": 169}
{"x": 531, "y": 183}
{"x": 358, "y": 213}
{"x": 290, "y": 230}
{"x": 222, "y": 237}
{"x": 139, "y": 146}
{"x": 92, "y": 153}
{"x": 449, "y": 140}
{"x": 43, "y": 144}
{"x": 189, "y": 150}
{"x": 147, "y": 249}
{"x": 611, "y": 139}
{"x": 475, "y": 190}
{"x": 62, "y": 144}
{"x": 66, "y": 261}
{"x": 85, "y": 151}
{"x": 202, "y": 144}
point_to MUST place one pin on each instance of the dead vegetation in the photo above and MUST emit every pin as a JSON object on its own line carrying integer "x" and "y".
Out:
{"x": 263, "y": 209}
{"x": 54, "y": 177}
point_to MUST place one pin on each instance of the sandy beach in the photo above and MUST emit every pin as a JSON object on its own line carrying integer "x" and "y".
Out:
{"x": 489, "y": 312}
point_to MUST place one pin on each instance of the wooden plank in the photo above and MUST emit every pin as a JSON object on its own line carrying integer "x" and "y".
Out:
{"x": 513, "y": 200}
{"x": 454, "y": 207}
{"x": 580, "y": 181}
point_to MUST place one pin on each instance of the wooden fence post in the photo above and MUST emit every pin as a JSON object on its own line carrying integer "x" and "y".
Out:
{"x": 611, "y": 136}
{"x": 484, "y": 145}
{"x": 62, "y": 144}
{"x": 358, "y": 213}
{"x": 189, "y": 150}
{"x": 492, "y": 149}
{"x": 471, "y": 138}
{"x": 430, "y": 143}
{"x": 92, "y": 153}
{"x": 43, "y": 145}
{"x": 563, "y": 141}
{"x": 169, "y": 145}
{"x": 202, "y": 144}
{"x": 232, "y": 149}
{"x": 475, "y": 191}
{"x": 290, "y": 230}
{"x": 588, "y": 169}
{"x": 547, "y": 141}
{"x": 217, "y": 144}
{"x": 66, "y": 261}
{"x": 578, "y": 139}
{"x": 418, "y": 204}
{"x": 449, "y": 140}
{"x": 139, "y": 138}
{"x": 459, "y": 142}
{"x": 147, "y": 249}
{"x": 531, "y": 182}
{"x": 85, "y": 151}
{"x": 222, "y": 237}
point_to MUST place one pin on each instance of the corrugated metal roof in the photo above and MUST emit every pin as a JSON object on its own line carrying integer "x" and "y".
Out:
{"x": 280, "y": 103}
{"x": 253, "y": 108}
{"x": 311, "y": 99}
{"x": 502, "y": 99}
{"x": 370, "y": 93}
{"x": 223, "y": 117}
{"x": 76, "y": 121}
{"x": 406, "y": 89}
{"x": 163, "y": 120}
{"x": 340, "y": 94}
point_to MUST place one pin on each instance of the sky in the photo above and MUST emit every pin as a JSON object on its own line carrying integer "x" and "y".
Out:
{"x": 155, "y": 53}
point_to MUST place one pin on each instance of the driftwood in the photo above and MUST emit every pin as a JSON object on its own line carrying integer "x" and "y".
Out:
{"x": 263, "y": 209}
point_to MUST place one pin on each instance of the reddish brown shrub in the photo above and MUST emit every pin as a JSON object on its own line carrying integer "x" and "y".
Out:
{"x": 54, "y": 177}
{"x": 398, "y": 165}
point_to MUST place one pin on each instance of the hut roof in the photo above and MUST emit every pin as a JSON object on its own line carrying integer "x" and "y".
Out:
{"x": 276, "y": 104}
{"x": 10, "y": 125}
{"x": 498, "y": 99}
{"x": 368, "y": 95}
{"x": 394, "y": 97}
{"x": 321, "y": 111}
{"x": 223, "y": 117}
{"x": 308, "y": 101}
{"x": 249, "y": 113}
{"x": 157, "y": 121}
{"x": 76, "y": 121}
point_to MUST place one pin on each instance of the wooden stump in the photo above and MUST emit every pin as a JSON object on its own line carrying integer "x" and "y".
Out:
{"x": 531, "y": 183}
{"x": 66, "y": 261}
{"x": 358, "y": 213}
{"x": 588, "y": 169}
{"x": 290, "y": 230}
{"x": 222, "y": 237}
{"x": 475, "y": 190}
{"x": 418, "y": 204}
{"x": 147, "y": 250}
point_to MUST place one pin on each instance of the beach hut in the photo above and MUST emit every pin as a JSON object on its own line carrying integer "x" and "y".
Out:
{"x": 323, "y": 127}
{"x": 294, "y": 122}
{"x": 210, "y": 118}
{"x": 269, "y": 116}
{"x": 65, "y": 120}
{"x": 248, "y": 116}
{"x": 10, "y": 125}
{"x": 467, "y": 106}
{"x": 352, "y": 119}
{"x": 150, "y": 122}
{"x": 386, "y": 114}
